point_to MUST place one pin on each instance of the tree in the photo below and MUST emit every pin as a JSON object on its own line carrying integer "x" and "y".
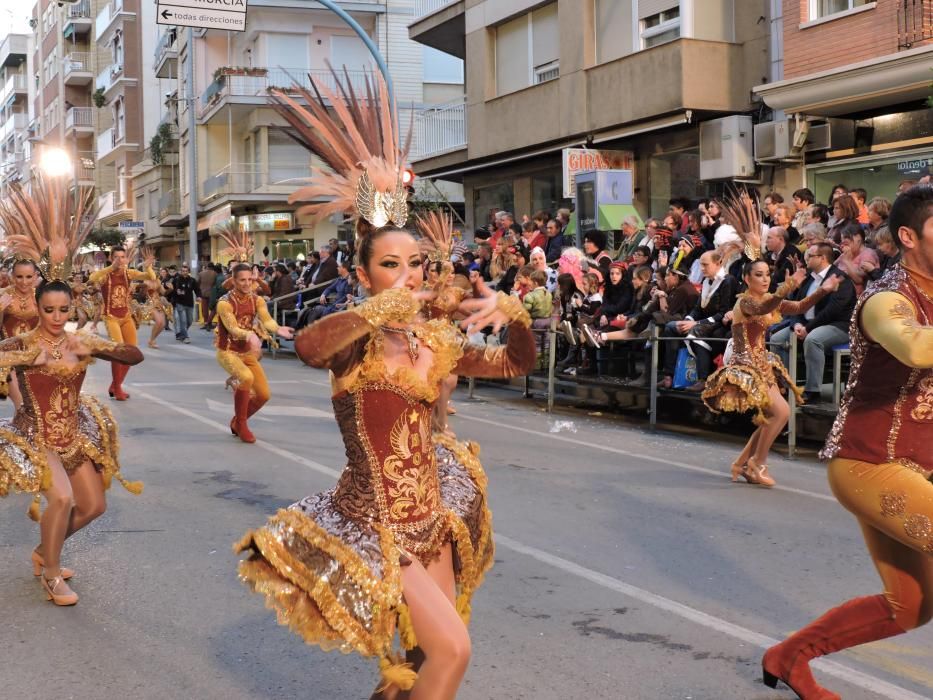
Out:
{"x": 105, "y": 238}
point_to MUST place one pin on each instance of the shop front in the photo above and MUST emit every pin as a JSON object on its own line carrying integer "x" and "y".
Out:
{"x": 879, "y": 176}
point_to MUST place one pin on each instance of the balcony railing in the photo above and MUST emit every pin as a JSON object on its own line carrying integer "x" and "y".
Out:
{"x": 79, "y": 117}
{"x": 169, "y": 204}
{"x": 77, "y": 62}
{"x": 13, "y": 124}
{"x": 252, "y": 178}
{"x": 258, "y": 83}
{"x": 79, "y": 10}
{"x": 442, "y": 129}
{"x": 15, "y": 82}
{"x": 423, "y": 8}
{"x": 107, "y": 141}
{"x": 165, "y": 44}
{"x": 107, "y": 16}
{"x": 84, "y": 166}
{"x": 914, "y": 22}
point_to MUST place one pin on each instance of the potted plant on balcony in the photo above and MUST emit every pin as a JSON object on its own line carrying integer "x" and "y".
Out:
{"x": 98, "y": 98}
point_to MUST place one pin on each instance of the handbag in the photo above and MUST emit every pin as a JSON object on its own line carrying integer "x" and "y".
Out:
{"x": 685, "y": 370}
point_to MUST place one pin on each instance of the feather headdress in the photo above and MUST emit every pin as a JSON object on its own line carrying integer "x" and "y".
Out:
{"x": 48, "y": 224}
{"x": 437, "y": 235}
{"x": 239, "y": 242}
{"x": 740, "y": 211}
{"x": 357, "y": 138}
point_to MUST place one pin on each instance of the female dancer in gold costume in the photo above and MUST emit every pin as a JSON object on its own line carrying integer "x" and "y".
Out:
{"x": 59, "y": 442}
{"x": 401, "y": 542}
{"x": 19, "y": 310}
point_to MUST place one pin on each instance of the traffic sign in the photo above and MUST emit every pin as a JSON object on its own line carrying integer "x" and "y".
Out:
{"x": 132, "y": 225}
{"x": 207, "y": 14}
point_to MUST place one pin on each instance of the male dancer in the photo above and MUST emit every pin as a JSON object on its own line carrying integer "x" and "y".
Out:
{"x": 239, "y": 347}
{"x": 881, "y": 455}
{"x": 114, "y": 283}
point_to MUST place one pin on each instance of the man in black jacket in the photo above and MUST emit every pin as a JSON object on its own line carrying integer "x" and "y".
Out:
{"x": 707, "y": 327}
{"x": 781, "y": 256}
{"x": 823, "y": 326}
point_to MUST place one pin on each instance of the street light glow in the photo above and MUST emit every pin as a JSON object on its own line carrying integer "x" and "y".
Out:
{"x": 55, "y": 162}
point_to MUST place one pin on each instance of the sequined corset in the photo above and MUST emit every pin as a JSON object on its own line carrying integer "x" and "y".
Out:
{"x": 886, "y": 414}
{"x": 116, "y": 292}
{"x": 391, "y": 473}
{"x": 244, "y": 309}
{"x": 49, "y": 413}
{"x": 748, "y": 344}
{"x": 14, "y": 325}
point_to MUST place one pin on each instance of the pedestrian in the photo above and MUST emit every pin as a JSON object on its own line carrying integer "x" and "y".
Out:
{"x": 880, "y": 455}
{"x": 184, "y": 292}
{"x": 206, "y": 278}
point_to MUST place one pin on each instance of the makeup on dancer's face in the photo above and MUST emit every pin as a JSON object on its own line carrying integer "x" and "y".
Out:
{"x": 24, "y": 277}
{"x": 54, "y": 310}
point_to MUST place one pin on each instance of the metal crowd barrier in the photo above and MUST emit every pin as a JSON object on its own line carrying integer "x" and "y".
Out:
{"x": 275, "y": 306}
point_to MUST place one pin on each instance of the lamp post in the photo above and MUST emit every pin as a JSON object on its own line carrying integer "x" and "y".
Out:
{"x": 55, "y": 161}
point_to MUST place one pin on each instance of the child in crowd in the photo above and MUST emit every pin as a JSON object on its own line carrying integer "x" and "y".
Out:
{"x": 592, "y": 298}
{"x": 523, "y": 283}
{"x": 538, "y": 301}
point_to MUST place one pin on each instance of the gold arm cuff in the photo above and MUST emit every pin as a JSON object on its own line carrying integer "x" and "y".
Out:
{"x": 392, "y": 305}
{"x": 513, "y": 308}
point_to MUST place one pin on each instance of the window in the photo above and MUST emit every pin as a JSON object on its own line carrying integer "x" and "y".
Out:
{"x": 153, "y": 204}
{"x": 528, "y": 50}
{"x": 488, "y": 200}
{"x": 614, "y": 30}
{"x": 440, "y": 67}
{"x": 350, "y": 51}
{"x": 660, "y": 28}
{"x": 116, "y": 50}
{"x": 286, "y": 163}
{"x": 825, "y": 8}
{"x": 288, "y": 51}
{"x": 121, "y": 183}
{"x": 119, "y": 120}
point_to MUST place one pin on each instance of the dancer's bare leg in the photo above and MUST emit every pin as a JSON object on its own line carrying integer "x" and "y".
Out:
{"x": 158, "y": 325}
{"x": 53, "y": 525}
{"x": 87, "y": 485}
{"x": 778, "y": 413}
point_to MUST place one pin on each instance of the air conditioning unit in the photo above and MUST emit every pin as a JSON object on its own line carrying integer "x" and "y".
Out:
{"x": 819, "y": 138}
{"x": 773, "y": 141}
{"x": 726, "y": 148}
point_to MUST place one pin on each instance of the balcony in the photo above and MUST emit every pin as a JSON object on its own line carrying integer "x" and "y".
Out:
{"x": 111, "y": 210}
{"x": 76, "y": 68}
{"x": 170, "y": 213}
{"x": 12, "y": 167}
{"x": 111, "y": 79}
{"x": 166, "y": 54}
{"x": 78, "y": 19}
{"x": 13, "y": 49}
{"x": 15, "y": 123}
{"x": 85, "y": 168}
{"x": 79, "y": 120}
{"x": 914, "y": 23}
{"x": 111, "y": 144}
{"x": 441, "y": 129}
{"x": 440, "y": 24}
{"x": 252, "y": 89}
{"x": 109, "y": 18}
{"x": 15, "y": 85}
{"x": 254, "y": 181}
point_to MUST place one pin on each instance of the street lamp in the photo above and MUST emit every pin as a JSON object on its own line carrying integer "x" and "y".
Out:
{"x": 55, "y": 162}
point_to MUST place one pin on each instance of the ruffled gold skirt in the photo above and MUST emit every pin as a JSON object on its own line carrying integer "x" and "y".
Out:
{"x": 24, "y": 464}
{"x": 742, "y": 386}
{"x": 336, "y": 582}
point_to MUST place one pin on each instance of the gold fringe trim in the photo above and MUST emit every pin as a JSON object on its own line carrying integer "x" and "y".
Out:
{"x": 740, "y": 388}
{"x": 396, "y": 672}
{"x": 406, "y": 629}
{"x": 34, "y": 512}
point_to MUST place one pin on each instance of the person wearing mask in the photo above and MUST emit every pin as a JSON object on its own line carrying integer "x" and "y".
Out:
{"x": 822, "y": 326}
{"x": 184, "y": 292}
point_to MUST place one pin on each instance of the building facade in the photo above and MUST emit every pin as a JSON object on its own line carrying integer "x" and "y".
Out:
{"x": 15, "y": 75}
{"x": 858, "y": 106}
{"x": 247, "y": 165}
{"x": 636, "y": 77}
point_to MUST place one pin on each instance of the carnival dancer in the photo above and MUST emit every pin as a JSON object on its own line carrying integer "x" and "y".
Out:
{"x": 155, "y": 309}
{"x": 881, "y": 461}
{"x": 114, "y": 282}
{"x": 753, "y": 377}
{"x": 18, "y": 308}
{"x": 388, "y": 535}
{"x": 244, "y": 322}
{"x": 59, "y": 443}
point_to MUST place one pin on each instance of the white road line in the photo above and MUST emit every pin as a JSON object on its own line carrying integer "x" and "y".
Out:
{"x": 190, "y": 348}
{"x": 840, "y": 671}
{"x": 215, "y": 382}
{"x": 627, "y": 453}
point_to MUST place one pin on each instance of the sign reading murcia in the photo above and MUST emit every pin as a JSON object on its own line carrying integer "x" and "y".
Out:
{"x": 208, "y": 14}
{"x": 580, "y": 159}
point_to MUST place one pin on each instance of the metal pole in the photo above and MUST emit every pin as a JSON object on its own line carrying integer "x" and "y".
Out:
{"x": 653, "y": 381}
{"x": 551, "y": 363}
{"x": 191, "y": 100}
{"x": 373, "y": 49}
{"x": 472, "y": 387}
{"x": 273, "y": 346}
{"x": 792, "y": 400}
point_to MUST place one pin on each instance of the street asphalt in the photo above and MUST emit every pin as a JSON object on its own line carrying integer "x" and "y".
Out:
{"x": 628, "y": 566}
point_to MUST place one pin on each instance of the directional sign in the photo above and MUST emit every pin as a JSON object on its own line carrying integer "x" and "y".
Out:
{"x": 132, "y": 225}
{"x": 208, "y": 14}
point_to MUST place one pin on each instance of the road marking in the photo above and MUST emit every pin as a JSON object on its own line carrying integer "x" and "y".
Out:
{"x": 628, "y": 453}
{"x": 191, "y": 349}
{"x": 267, "y": 410}
{"x": 215, "y": 382}
{"x": 837, "y": 670}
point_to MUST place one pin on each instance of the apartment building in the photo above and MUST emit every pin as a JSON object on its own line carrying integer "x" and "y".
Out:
{"x": 634, "y": 77}
{"x": 246, "y": 164}
{"x": 853, "y": 87}
{"x": 14, "y": 107}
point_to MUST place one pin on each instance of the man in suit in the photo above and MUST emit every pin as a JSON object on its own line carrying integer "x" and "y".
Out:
{"x": 823, "y": 326}
{"x": 335, "y": 298}
{"x": 707, "y": 327}
{"x": 327, "y": 270}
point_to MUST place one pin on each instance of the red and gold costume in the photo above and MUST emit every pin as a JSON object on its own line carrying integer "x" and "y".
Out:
{"x": 155, "y": 301}
{"x": 117, "y": 314}
{"x": 744, "y": 382}
{"x": 240, "y": 315}
{"x": 880, "y": 469}
{"x": 330, "y": 564}
{"x": 20, "y": 316}
{"x": 56, "y": 416}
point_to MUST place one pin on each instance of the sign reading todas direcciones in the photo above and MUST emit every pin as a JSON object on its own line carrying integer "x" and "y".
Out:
{"x": 206, "y": 14}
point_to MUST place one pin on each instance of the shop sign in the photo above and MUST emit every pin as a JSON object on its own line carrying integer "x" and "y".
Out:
{"x": 268, "y": 222}
{"x": 914, "y": 164}
{"x": 577, "y": 160}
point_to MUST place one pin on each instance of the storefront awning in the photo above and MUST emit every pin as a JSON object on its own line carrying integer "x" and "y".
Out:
{"x": 860, "y": 87}
{"x": 609, "y": 216}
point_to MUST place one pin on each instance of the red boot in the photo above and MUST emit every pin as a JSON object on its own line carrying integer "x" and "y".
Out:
{"x": 858, "y": 621}
{"x": 118, "y": 372}
{"x": 239, "y": 426}
{"x": 254, "y": 405}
